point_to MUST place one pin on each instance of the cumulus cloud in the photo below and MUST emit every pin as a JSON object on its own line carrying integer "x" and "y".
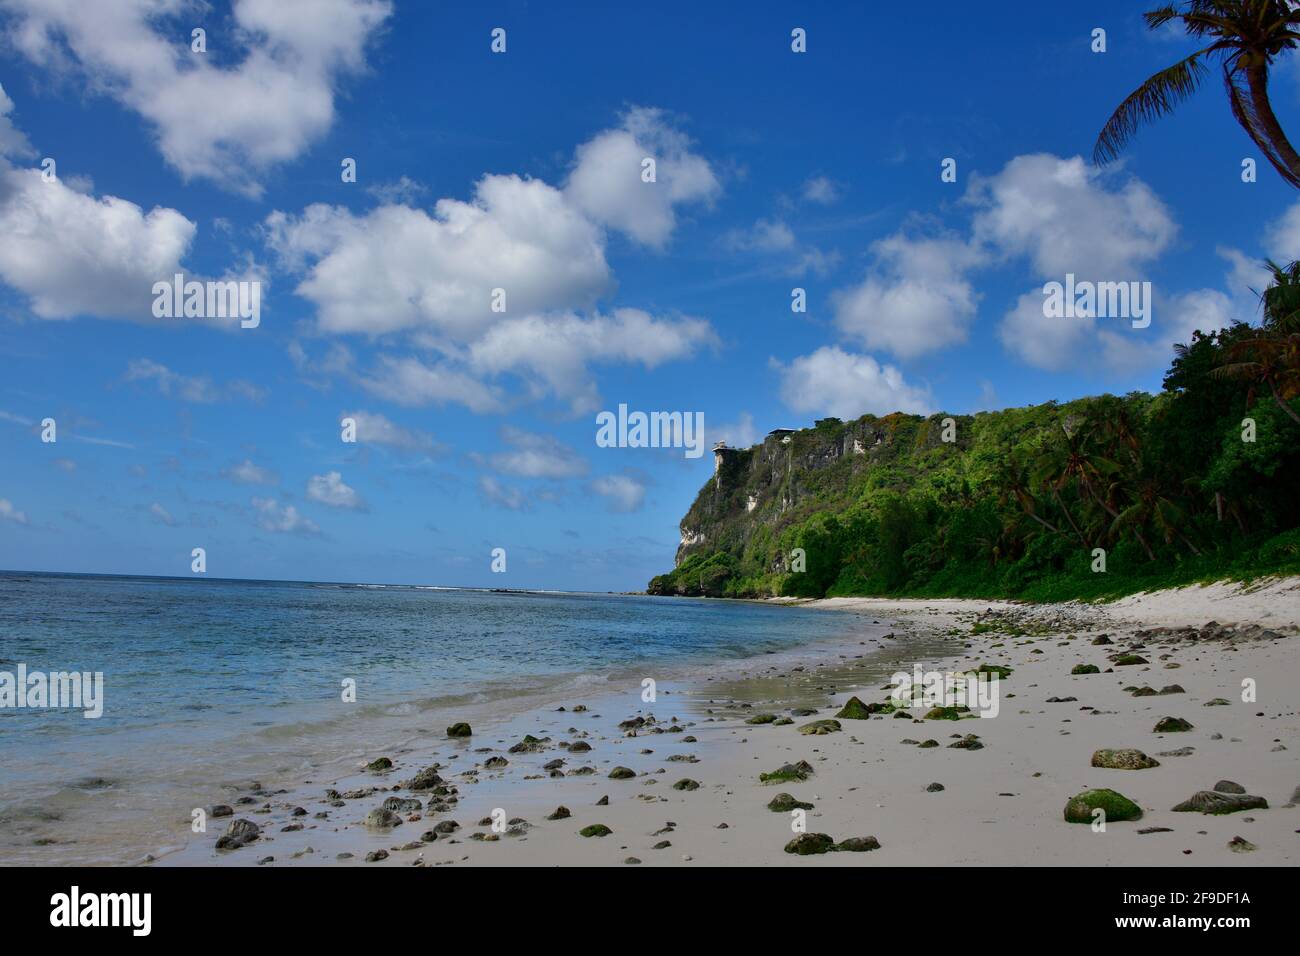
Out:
{"x": 623, "y": 493}
{"x": 282, "y": 519}
{"x": 13, "y": 142}
{"x": 553, "y": 351}
{"x": 329, "y": 489}
{"x": 247, "y": 472}
{"x": 606, "y": 180}
{"x": 503, "y": 284}
{"x": 399, "y": 268}
{"x": 821, "y": 190}
{"x": 536, "y": 456}
{"x": 831, "y": 381}
{"x": 226, "y": 122}
{"x": 73, "y": 254}
{"x": 9, "y": 513}
{"x": 917, "y": 298}
{"x": 409, "y": 381}
{"x": 375, "y": 429}
{"x": 1063, "y": 215}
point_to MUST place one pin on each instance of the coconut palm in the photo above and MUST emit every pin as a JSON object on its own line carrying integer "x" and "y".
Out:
{"x": 1246, "y": 35}
{"x": 1269, "y": 356}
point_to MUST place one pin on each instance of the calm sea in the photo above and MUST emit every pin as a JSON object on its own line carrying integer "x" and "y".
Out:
{"x": 212, "y": 682}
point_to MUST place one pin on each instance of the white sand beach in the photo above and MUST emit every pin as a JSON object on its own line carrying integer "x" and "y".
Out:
{"x": 1000, "y": 804}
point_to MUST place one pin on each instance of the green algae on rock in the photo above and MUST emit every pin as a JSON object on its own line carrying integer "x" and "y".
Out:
{"x": 1115, "y": 806}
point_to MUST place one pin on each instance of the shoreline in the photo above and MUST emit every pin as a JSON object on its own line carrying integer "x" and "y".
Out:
{"x": 1000, "y": 803}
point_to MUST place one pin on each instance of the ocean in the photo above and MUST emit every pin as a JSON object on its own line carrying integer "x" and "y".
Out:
{"x": 211, "y": 683}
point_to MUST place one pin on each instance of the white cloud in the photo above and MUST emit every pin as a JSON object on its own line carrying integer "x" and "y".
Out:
{"x": 1110, "y": 346}
{"x": 398, "y": 268}
{"x": 227, "y": 123}
{"x": 247, "y": 472}
{"x": 374, "y": 429}
{"x": 606, "y": 183}
{"x": 537, "y": 456}
{"x": 13, "y": 142}
{"x": 199, "y": 389}
{"x": 623, "y": 493}
{"x": 9, "y": 513}
{"x": 916, "y": 300}
{"x": 1060, "y": 214}
{"x": 766, "y": 235}
{"x": 834, "y": 382}
{"x": 409, "y": 381}
{"x": 283, "y": 519}
{"x": 553, "y": 351}
{"x": 72, "y": 254}
{"x": 738, "y": 434}
{"x": 503, "y": 496}
{"x": 820, "y": 189}
{"x": 329, "y": 489}
{"x": 434, "y": 276}
{"x": 161, "y": 515}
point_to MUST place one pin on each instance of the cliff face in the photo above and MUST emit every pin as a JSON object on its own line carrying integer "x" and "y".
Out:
{"x": 756, "y": 492}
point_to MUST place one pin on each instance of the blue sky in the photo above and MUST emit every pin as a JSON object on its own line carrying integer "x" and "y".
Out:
{"x": 522, "y": 171}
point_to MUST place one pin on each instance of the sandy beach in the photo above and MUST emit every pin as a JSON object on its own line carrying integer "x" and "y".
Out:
{"x": 677, "y": 781}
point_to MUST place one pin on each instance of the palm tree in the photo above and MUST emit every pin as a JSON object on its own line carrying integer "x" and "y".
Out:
{"x": 1270, "y": 355}
{"x": 1247, "y": 35}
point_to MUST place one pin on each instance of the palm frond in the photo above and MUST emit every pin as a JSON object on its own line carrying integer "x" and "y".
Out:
{"x": 1157, "y": 97}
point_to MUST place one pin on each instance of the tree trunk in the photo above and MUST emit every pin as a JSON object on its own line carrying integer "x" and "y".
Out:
{"x": 1218, "y": 505}
{"x": 1283, "y": 403}
{"x": 1276, "y": 146}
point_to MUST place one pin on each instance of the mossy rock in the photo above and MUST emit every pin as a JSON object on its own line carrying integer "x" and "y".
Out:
{"x": 1144, "y": 692}
{"x": 1127, "y": 759}
{"x": 854, "y": 709}
{"x": 560, "y": 813}
{"x": 381, "y": 763}
{"x": 1116, "y": 806}
{"x": 819, "y": 728}
{"x": 1171, "y": 725}
{"x": 946, "y": 713}
{"x": 622, "y": 773}
{"x": 969, "y": 742}
{"x": 459, "y": 729}
{"x": 1124, "y": 660}
{"x": 806, "y": 844}
{"x": 686, "y": 783}
{"x": 857, "y": 845}
{"x": 785, "y": 802}
{"x": 1002, "y": 672}
{"x": 927, "y": 744}
{"x": 782, "y": 722}
{"x": 596, "y": 830}
{"x": 762, "y": 719}
{"x": 1085, "y": 669}
{"x": 788, "y": 773}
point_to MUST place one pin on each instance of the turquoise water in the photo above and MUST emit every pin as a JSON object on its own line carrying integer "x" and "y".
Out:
{"x": 209, "y": 681}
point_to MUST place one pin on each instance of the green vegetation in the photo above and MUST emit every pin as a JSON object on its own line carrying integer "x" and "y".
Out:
{"x": 1195, "y": 483}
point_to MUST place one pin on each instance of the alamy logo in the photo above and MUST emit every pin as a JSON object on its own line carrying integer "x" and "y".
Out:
{"x": 1101, "y": 300}
{"x": 103, "y": 909}
{"x": 655, "y": 430}
{"x": 231, "y": 299}
{"x": 977, "y": 690}
{"x": 38, "y": 690}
